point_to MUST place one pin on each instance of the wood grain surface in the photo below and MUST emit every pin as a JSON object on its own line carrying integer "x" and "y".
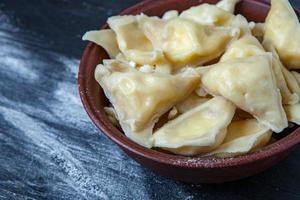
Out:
{"x": 49, "y": 149}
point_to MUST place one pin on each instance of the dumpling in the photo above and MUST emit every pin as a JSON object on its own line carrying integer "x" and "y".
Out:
{"x": 293, "y": 113}
{"x": 153, "y": 28}
{"x": 227, "y": 5}
{"x": 248, "y": 46}
{"x": 191, "y": 102}
{"x": 104, "y": 38}
{"x": 198, "y": 130}
{"x": 249, "y": 83}
{"x": 141, "y": 98}
{"x": 207, "y": 14}
{"x": 189, "y": 43}
{"x": 171, "y": 14}
{"x": 133, "y": 42}
{"x": 242, "y": 137}
{"x": 282, "y": 28}
{"x": 211, "y": 15}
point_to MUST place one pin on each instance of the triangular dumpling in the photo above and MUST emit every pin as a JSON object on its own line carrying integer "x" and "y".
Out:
{"x": 248, "y": 46}
{"x": 249, "y": 83}
{"x": 153, "y": 28}
{"x": 141, "y": 98}
{"x": 133, "y": 42}
{"x": 227, "y": 5}
{"x": 282, "y": 28}
{"x": 293, "y": 113}
{"x": 211, "y": 15}
{"x": 207, "y": 14}
{"x": 198, "y": 130}
{"x": 242, "y": 137}
{"x": 189, "y": 43}
{"x": 104, "y": 38}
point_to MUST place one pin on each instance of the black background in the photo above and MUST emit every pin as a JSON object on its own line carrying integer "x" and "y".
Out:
{"x": 49, "y": 148}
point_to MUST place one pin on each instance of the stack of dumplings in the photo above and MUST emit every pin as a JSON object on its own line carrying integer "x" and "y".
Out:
{"x": 204, "y": 81}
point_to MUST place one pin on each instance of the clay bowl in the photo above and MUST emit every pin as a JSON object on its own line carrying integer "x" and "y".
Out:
{"x": 187, "y": 169}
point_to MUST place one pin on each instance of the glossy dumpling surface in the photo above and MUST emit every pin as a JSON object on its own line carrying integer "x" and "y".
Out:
{"x": 248, "y": 46}
{"x": 207, "y": 14}
{"x": 133, "y": 42}
{"x": 197, "y": 130}
{"x": 141, "y": 98}
{"x": 153, "y": 28}
{"x": 250, "y": 84}
{"x": 212, "y": 15}
{"x": 242, "y": 137}
{"x": 104, "y": 38}
{"x": 189, "y": 43}
{"x": 282, "y": 28}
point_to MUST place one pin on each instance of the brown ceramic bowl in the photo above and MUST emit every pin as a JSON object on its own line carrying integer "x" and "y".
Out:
{"x": 188, "y": 169}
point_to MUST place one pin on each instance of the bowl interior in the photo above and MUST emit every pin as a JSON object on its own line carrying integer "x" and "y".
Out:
{"x": 94, "y": 99}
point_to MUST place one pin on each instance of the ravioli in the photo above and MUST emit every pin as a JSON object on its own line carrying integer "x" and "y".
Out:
{"x": 242, "y": 137}
{"x": 198, "y": 130}
{"x": 282, "y": 28}
{"x": 104, "y": 38}
{"x": 191, "y": 83}
{"x": 248, "y": 46}
{"x": 133, "y": 42}
{"x": 141, "y": 98}
{"x": 212, "y": 15}
{"x": 189, "y": 43}
{"x": 250, "y": 84}
{"x": 153, "y": 28}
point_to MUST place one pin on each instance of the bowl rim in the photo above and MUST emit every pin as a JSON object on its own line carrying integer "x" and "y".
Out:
{"x": 124, "y": 142}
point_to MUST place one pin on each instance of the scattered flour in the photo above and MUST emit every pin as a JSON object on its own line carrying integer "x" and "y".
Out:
{"x": 35, "y": 131}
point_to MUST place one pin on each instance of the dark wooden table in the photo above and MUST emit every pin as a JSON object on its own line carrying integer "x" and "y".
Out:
{"x": 49, "y": 149}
